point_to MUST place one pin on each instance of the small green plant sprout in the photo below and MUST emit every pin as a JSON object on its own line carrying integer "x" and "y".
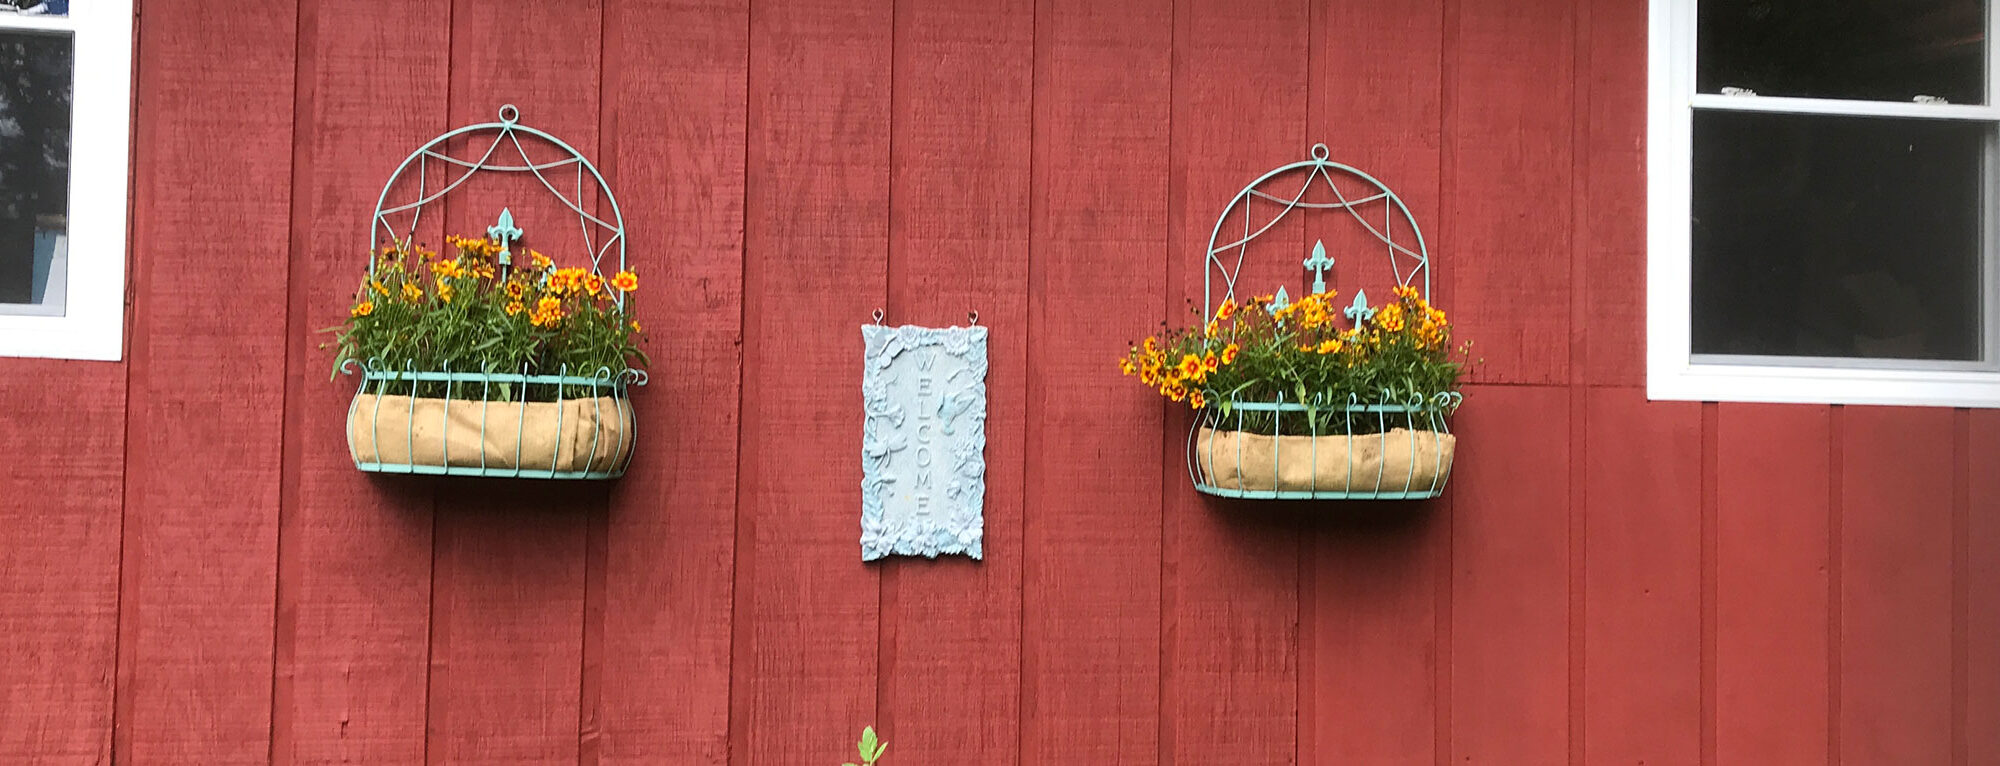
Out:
{"x": 870, "y": 747}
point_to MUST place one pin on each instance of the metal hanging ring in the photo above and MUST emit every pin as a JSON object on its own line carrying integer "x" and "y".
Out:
{"x": 878, "y": 316}
{"x": 1320, "y": 152}
{"x": 972, "y": 318}
{"x": 509, "y": 113}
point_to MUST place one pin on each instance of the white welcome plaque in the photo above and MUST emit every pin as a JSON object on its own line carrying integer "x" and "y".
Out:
{"x": 923, "y": 441}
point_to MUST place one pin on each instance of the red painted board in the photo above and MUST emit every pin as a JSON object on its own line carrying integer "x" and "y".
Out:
{"x": 816, "y": 248}
{"x": 1772, "y": 508}
{"x": 1982, "y": 588}
{"x": 1895, "y": 585}
{"x": 60, "y": 498}
{"x": 1232, "y": 574}
{"x": 1510, "y": 576}
{"x": 958, "y": 242}
{"x": 1610, "y": 220}
{"x": 508, "y": 585}
{"x": 1507, "y": 169}
{"x": 677, "y": 153}
{"x": 1368, "y": 692}
{"x": 1091, "y": 616}
{"x": 1642, "y": 631}
{"x": 354, "y": 561}
{"x": 208, "y": 350}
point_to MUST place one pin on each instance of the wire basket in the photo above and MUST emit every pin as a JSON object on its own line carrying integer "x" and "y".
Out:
{"x": 573, "y": 424}
{"x": 1395, "y": 445}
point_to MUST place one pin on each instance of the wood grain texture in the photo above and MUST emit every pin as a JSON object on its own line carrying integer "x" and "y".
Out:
{"x": 1772, "y": 483}
{"x": 1510, "y": 542}
{"x": 1371, "y": 694}
{"x": 1610, "y": 220}
{"x": 1508, "y": 133}
{"x": 958, "y": 242}
{"x": 508, "y": 584}
{"x": 1642, "y": 579}
{"x": 1896, "y": 586}
{"x": 354, "y": 565}
{"x": 1232, "y": 571}
{"x": 677, "y": 153}
{"x": 1982, "y": 589}
{"x": 60, "y": 503}
{"x": 817, "y": 222}
{"x": 207, "y": 384}
{"x": 1091, "y": 550}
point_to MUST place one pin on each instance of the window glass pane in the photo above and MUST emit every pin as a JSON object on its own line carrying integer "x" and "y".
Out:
{"x": 1837, "y": 236}
{"x": 35, "y": 71}
{"x": 1857, "y": 49}
{"x": 35, "y": 7}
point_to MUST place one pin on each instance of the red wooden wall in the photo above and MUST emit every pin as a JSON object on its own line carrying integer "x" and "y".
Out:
{"x": 192, "y": 572}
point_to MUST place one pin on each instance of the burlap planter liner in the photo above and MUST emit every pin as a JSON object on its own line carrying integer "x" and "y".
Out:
{"x": 573, "y": 435}
{"x": 1393, "y": 462}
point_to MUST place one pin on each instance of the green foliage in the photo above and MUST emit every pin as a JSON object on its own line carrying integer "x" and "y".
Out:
{"x": 1300, "y": 354}
{"x": 869, "y": 747}
{"x": 421, "y": 311}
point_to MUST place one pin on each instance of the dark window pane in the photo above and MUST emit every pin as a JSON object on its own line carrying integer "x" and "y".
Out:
{"x": 1879, "y": 50}
{"x": 1837, "y": 236}
{"x": 35, "y": 7}
{"x": 35, "y": 75}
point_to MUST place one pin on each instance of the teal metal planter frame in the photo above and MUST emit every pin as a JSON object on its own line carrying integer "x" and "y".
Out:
{"x": 612, "y": 434}
{"x": 1421, "y": 415}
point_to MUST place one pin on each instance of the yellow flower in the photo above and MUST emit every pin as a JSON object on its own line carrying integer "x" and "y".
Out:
{"x": 1331, "y": 347}
{"x": 1149, "y": 376}
{"x": 1197, "y": 401}
{"x": 514, "y": 307}
{"x": 1214, "y": 326}
{"x": 515, "y": 289}
{"x": 1177, "y": 392}
{"x": 625, "y": 281}
{"x": 445, "y": 292}
{"x": 1126, "y": 368}
{"x": 540, "y": 262}
{"x": 412, "y": 293}
{"x": 451, "y": 268}
{"x": 635, "y": 326}
{"x": 1406, "y": 292}
{"x": 363, "y": 309}
{"x": 1229, "y": 353}
{"x": 1189, "y": 367}
{"x": 1209, "y": 363}
{"x": 549, "y": 306}
{"x": 1227, "y": 310}
{"x": 1151, "y": 346}
{"x": 594, "y": 285}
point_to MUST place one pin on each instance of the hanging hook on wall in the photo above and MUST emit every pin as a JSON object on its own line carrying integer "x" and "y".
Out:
{"x": 878, "y": 316}
{"x": 972, "y": 318}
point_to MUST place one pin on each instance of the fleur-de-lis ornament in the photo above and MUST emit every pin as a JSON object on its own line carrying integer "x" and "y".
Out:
{"x": 504, "y": 232}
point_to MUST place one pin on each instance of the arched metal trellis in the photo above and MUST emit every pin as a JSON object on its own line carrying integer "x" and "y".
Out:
{"x": 1390, "y": 444}
{"x": 572, "y": 424}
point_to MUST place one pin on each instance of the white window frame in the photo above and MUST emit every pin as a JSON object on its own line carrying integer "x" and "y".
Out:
{"x": 93, "y": 322}
{"x": 1673, "y": 372}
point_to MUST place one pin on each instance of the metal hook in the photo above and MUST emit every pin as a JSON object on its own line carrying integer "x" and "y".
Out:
{"x": 972, "y": 318}
{"x": 510, "y": 113}
{"x": 878, "y": 316}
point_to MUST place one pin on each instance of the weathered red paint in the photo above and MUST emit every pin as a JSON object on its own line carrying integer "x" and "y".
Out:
{"x": 193, "y": 574}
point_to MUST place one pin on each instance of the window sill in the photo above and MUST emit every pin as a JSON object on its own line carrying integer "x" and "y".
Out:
{"x": 1821, "y": 385}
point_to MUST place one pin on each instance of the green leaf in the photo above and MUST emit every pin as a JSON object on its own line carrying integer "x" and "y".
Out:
{"x": 878, "y": 752}
{"x": 867, "y": 742}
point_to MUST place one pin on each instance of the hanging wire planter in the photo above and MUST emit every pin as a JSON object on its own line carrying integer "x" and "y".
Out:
{"x": 1390, "y": 444}
{"x": 561, "y": 423}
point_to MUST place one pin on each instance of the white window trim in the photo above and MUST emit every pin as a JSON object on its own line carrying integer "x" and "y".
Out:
{"x": 1672, "y": 371}
{"x": 93, "y": 323}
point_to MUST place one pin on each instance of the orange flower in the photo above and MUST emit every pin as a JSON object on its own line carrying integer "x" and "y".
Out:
{"x": 363, "y": 309}
{"x": 1126, "y": 367}
{"x": 594, "y": 285}
{"x": 1209, "y": 363}
{"x": 1227, "y": 310}
{"x": 1229, "y": 353}
{"x": 1197, "y": 401}
{"x": 635, "y": 326}
{"x": 625, "y": 281}
{"x": 514, "y": 307}
{"x": 539, "y": 261}
{"x": 1190, "y": 366}
{"x": 515, "y": 289}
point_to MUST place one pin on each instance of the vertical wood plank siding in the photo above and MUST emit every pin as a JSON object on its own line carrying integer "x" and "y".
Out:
{"x": 192, "y": 572}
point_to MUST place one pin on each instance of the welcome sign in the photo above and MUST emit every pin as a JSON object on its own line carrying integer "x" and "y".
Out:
{"x": 923, "y": 441}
